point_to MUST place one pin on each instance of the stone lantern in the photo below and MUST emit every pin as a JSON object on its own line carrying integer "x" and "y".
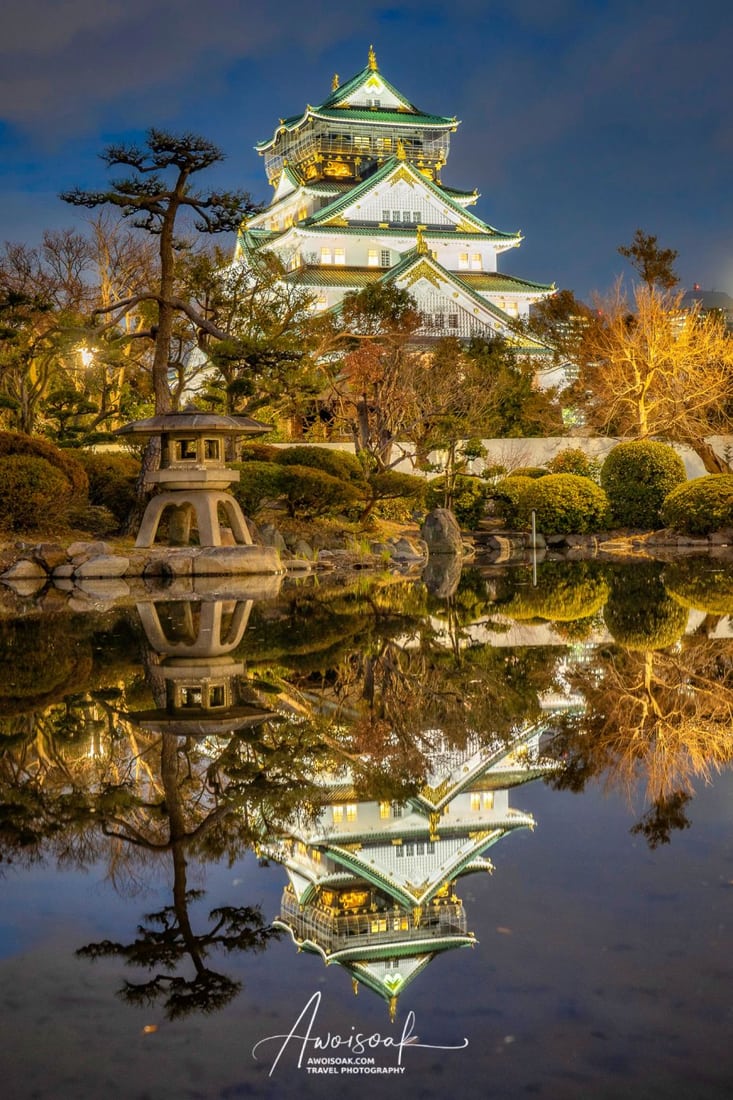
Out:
{"x": 193, "y": 475}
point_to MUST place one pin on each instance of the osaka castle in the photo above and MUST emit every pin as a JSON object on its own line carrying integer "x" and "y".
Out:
{"x": 373, "y": 885}
{"x": 358, "y": 198}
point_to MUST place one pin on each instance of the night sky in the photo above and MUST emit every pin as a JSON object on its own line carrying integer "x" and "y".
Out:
{"x": 581, "y": 120}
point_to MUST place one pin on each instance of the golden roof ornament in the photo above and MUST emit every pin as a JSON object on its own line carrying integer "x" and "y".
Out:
{"x": 392, "y": 1009}
{"x": 421, "y": 245}
{"x": 335, "y": 82}
{"x": 372, "y": 60}
{"x": 400, "y": 150}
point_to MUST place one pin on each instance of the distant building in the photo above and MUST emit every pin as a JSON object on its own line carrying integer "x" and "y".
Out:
{"x": 710, "y": 301}
{"x": 358, "y": 199}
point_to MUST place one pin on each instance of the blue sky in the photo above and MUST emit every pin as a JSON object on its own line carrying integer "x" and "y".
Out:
{"x": 581, "y": 121}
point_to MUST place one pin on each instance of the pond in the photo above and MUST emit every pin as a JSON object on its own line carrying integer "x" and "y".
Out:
{"x": 351, "y": 837}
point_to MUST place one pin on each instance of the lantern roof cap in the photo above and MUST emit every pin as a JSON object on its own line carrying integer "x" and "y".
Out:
{"x": 192, "y": 419}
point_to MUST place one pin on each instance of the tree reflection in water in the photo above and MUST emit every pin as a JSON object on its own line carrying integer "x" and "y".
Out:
{"x": 132, "y": 760}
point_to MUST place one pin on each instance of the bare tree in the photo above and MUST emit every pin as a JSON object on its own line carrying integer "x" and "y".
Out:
{"x": 656, "y": 370}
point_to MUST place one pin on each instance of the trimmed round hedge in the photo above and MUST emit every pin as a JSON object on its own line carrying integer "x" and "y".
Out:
{"x": 566, "y": 504}
{"x": 572, "y": 460}
{"x": 259, "y": 482}
{"x": 340, "y": 464}
{"x": 509, "y": 497}
{"x": 694, "y": 584}
{"x": 469, "y": 499}
{"x": 700, "y": 506}
{"x": 33, "y": 493}
{"x": 17, "y": 443}
{"x": 112, "y": 480}
{"x": 637, "y": 477}
{"x": 565, "y": 592}
{"x": 640, "y": 614}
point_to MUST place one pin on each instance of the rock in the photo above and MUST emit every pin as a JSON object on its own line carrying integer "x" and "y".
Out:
{"x": 81, "y": 551}
{"x": 271, "y": 537}
{"x": 232, "y": 560}
{"x": 105, "y": 565}
{"x": 404, "y": 549}
{"x": 104, "y": 588}
{"x": 303, "y": 550}
{"x": 723, "y": 537}
{"x": 25, "y": 570}
{"x": 442, "y": 574}
{"x": 442, "y": 533}
{"x": 324, "y": 555}
{"x": 49, "y": 555}
{"x": 298, "y": 565}
{"x": 25, "y": 586}
{"x": 62, "y": 572}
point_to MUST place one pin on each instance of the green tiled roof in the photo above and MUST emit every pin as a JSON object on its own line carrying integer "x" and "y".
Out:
{"x": 380, "y": 114}
{"x": 331, "y": 110}
{"x": 498, "y": 283}
{"x": 345, "y": 90}
{"x": 335, "y": 276}
{"x": 334, "y": 209}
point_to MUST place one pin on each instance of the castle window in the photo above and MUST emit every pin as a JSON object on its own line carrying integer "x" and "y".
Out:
{"x": 488, "y": 800}
{"x": 373, "y": 257}
{"x": 476, "y": 264}
{"x": 326, "y": 257}
{"x": 453, "y": 320}
{"x": 415, "y": 216}
{"x": 406, "y": 217}
{"x": 339, "y": 256}
{"x": 384, "y": 809}
{"x": 385, "y": 215}
{"x": 351, "y": 812}
{"x": 396, "y": 809}
{"x": 463, "y": 261}
{"x": 386, "y": 257}
{"x": 338, "y": 814}
{"x": 321, "y": 301}
{"x": 475, "y": 801}
{"x": 396, "y": 216}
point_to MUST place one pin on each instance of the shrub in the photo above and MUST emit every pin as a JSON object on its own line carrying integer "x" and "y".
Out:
{"x": 258, "y": 483}
{"x": 258, "y": 452}
{"x": 16, "y": 443}
{"x": 310, "y": 492}
{"x": 637, "y": 477}
{"x": 339, "y": 464}
{"x": 566, "y": 504}
{"x": 700, "y": 506}
{"x": 530, "y": 471}
{"x": 509, "y": 496}
{"x": 564, "y": 593}
{"x": 640, "y": 614}
{"x": 393, "y": 485}
{"x": 112, "y": 480}
{"x": 572, "y": 460}
{"x": 470, "y": 495}
{"x": 33, "y": 493}
{"x": 701, "y": 585}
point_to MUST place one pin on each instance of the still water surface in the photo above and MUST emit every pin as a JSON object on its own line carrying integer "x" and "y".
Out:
{"x": 245, "y": 831}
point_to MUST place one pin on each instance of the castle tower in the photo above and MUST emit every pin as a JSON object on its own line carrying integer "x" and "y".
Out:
{"x": 358, "y": 198}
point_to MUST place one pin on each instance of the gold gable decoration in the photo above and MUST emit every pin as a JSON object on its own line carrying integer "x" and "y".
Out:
{"x": 423, "y": 270}
{"x": 372, "y": 62}
{"x": 335, "y": 82}
{"x": 402, "y": 176}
